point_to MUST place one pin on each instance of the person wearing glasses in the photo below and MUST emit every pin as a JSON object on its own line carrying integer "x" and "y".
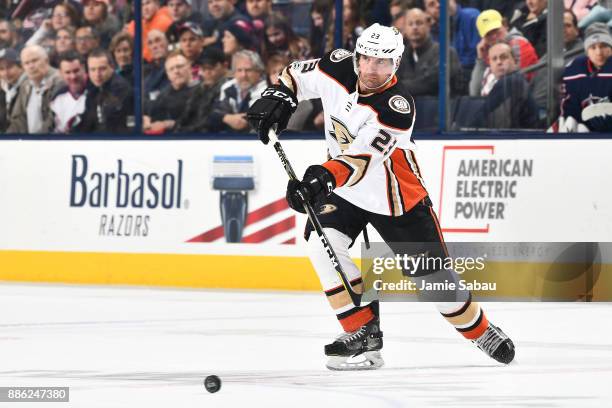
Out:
{"x": 86, "y": 40}
{"x": 64, "y": 15}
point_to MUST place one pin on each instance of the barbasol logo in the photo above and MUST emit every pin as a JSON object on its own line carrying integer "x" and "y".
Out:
{"x": 121, "y": 187}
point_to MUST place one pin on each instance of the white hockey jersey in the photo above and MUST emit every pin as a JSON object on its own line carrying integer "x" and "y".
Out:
{"x": 369, "y": 137}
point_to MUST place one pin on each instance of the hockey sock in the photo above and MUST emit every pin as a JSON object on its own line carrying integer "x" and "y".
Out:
{"x": 355, "y": 318}
{"x": 455, "y": 305}
{"x": 351, "y": 318}
{"x": 469, "y": 319}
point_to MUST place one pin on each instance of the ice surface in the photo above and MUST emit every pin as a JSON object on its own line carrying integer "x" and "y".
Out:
{"x": 139, "y": 347}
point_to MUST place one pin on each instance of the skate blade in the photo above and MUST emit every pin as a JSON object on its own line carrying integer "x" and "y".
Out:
{"x": 370, "y": 360}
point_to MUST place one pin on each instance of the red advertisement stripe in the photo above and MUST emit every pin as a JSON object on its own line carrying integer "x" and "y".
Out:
{"x": 208, "y": 236}
{"x": 289, "y": 242}
{"x": 270, "y": 231}
{"x": 266, "y": 211}
{"x": 253, "y": 217}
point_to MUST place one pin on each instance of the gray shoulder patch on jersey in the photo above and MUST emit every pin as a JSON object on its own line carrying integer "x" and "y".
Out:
{"x": 399, "y": 104}
{"x": 339, "y": 55}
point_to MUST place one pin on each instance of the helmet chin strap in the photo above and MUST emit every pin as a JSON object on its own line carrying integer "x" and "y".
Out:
{"x": 366, "y": 88}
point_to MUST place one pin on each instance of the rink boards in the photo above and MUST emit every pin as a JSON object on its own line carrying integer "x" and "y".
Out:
{"x": 149, "y": 213}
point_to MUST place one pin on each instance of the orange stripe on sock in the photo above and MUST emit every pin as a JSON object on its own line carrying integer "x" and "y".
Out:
{"x": 357, "y": 319}
{"x": 477, "y": 331}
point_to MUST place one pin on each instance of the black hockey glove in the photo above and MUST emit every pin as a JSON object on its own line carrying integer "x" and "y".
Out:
{"x": 316, "y": 184}
{"x": 275, "y": 107}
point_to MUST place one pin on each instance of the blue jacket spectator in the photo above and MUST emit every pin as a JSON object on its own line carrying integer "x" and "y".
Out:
{"x": 463, "y": 31}
{"x": 587, "y": 81}
{"x": 465, "y": 34}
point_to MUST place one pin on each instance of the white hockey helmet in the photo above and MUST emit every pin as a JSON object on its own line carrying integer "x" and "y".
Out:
{"x": 381, "y": 42}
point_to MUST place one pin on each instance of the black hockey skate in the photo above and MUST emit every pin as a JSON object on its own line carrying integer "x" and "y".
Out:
{"x": 496, "y": 344}
{"x": 358, "y": 350}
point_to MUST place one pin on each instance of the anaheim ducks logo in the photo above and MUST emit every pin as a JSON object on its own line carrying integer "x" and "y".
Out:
{"x": 339, "y": 54}
{"x": 399, "y": 104}
{"x": 341, "y": 134}
{"x": 327, "y": 208}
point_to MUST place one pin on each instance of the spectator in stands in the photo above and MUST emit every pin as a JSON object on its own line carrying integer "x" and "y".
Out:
{"x": 571, "y": 32}
{"x": 464, "y": 35}
{"x": 97, "y": 14}
{"x": 154, "y": 71}
{"x": 432, "y": 8}
{"x": 492, "y": 28}
{"x": 9, "y": 37}
{"x": 152, "y": 19}
{"x": 571, "y": 41}
{"x": 320, "y": 20}
{"x": 63, "y": 15}
{"x": 419, "y": 68}
{"x": 181, "y": 11}
{"x": 222, "y": 12}
{"x": 258, "y": 11}
{"x": 214, "y": 70}
{"x": 237, "y": 35}
{"x": 86, "y": 39}
{"x": 11, "y": 77}
{"x": 191, "y": 43}
{"x": 164, "y": 112}
{"x": 64, "y": 40}
{"x": 238, "y": 94}
{"x": 506, "y": 8}
{"x": 352, "y": 25}
{"x": 280, "y": 39}
{"x": 31, "y": 113}
{"x": 68, "y": 104}
{"x": 509, "y": 104}
{"x": 375, "y": 11}
{"x": 398, "y": 9}
{"x": 530, "y": 20}
{"x": 122, "y": 49}
{"x": 587, "y": 103}
{"x": 109, "y": 105}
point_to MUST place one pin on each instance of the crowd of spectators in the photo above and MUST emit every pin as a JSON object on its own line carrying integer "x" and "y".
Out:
{"x": 67, "y": 66}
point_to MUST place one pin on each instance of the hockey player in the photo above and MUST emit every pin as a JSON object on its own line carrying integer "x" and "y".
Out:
{"x": 372, "y": 177}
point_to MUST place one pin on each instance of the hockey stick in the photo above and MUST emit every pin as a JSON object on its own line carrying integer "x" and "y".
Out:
{"x": 314, "y": 220}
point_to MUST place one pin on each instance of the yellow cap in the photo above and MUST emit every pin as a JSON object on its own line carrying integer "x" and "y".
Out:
{"x": 488, "y": 20}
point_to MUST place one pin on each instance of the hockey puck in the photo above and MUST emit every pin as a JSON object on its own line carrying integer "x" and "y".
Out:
{"x": 212, "y": 383}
